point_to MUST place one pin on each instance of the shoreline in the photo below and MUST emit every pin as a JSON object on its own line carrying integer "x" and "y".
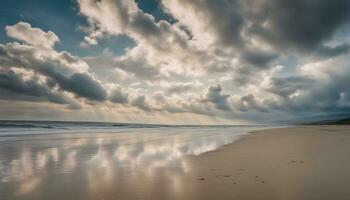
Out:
{"x": 265, "y": 131}
{"x": 246, "y": 136}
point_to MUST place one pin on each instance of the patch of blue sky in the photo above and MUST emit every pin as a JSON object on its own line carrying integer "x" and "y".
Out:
{"x": 153, "y": 7}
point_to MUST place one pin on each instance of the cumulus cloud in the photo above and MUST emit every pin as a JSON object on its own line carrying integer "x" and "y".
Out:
{"x": 117, "y": 95}
{"x": 180, "y": 88}
{"x": 287, "y": 86}
{"x": 138, "y": 67}
{"x": 141, "y": 103}
{"x": 21, "y": 83}
{"x": 83, "y": 85}
{"x": 249, "y": 102}
{"x": 34, "y": 36}
{"x": 67, "y": 72}
{"x": 216, "y": 97}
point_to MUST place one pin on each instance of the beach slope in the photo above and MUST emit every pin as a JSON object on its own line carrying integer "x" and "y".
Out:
{"x": 306, "y": 162}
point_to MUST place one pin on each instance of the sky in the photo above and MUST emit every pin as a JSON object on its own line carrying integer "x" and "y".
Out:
{"x": 174, "y": 61}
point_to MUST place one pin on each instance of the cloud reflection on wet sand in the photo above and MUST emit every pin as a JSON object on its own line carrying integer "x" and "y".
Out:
{"x": 90, "y": 165}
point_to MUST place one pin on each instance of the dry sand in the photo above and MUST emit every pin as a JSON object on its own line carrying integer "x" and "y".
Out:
{"x": 307, "y": 162}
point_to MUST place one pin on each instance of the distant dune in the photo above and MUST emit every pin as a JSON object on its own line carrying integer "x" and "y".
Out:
{"x": 344, "y": 121}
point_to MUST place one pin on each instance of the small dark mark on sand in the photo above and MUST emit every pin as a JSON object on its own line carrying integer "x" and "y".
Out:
{"x": 227, "y": 175}
{"x": 201, "y": 179}
{"x": 262, "y": 182}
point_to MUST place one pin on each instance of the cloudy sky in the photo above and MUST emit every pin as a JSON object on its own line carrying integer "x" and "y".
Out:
{"x": 174, "y": 61}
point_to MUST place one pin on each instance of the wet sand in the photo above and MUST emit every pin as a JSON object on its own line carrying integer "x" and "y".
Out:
{"x": 117, "y": 163}
{"x": 308, "y": 162}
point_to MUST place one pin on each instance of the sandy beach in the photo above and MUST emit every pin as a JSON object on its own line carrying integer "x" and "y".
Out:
{"x": 307, "y": 162}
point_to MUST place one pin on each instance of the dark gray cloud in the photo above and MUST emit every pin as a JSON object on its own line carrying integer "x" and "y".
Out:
{"x": 258, "y": 58}
{"x": 20, "y": 86}
{"x": 80, "y": 84}
{"x": 145, "y": 25}
{"x": 229, "y": 30}
{"x": 180, "y": 88}
{"x": 327, "y": 51}
{"x": 224, "y": 18}
{"x": 300, "y": 24}
{"x": 288, "y": 85}
{"x": 83, "y": 85}
{"x": 141, "y": 103}
{"x": 139, "y": 67}
{"x": 216, "y": 97}
{"x": 249, "y": 102}
{"x": 117, "y": 95}
{"x": 244, "y": 75}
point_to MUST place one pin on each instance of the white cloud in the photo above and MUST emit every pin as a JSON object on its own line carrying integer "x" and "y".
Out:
{"x": 34, "y": 36}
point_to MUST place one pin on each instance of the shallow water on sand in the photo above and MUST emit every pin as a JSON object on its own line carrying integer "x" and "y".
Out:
{"x": 105, "y": 163}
